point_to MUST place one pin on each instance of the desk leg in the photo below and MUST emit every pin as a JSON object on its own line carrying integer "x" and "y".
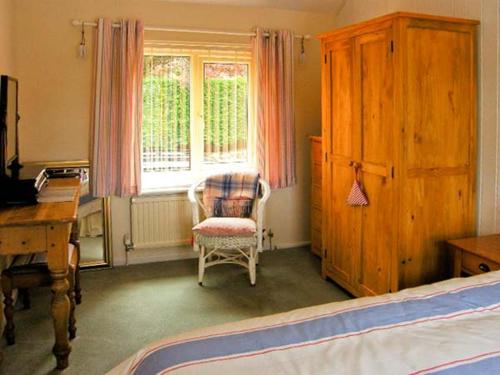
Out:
{"x": 57, "y": 239}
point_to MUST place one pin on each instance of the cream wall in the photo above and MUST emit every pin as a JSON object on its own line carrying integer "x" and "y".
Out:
{"x": 56, "y": 87}
{"x": 487, "y": 11}
{"x": 7, "y": 37}
{"x": 359, "y": 10}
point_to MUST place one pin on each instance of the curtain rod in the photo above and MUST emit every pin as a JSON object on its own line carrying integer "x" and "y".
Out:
{"x": 184, "y": 30}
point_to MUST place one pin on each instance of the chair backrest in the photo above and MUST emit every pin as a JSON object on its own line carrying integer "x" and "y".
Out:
{"x": 194, "y": 196}
{"x": 199, "y": 185}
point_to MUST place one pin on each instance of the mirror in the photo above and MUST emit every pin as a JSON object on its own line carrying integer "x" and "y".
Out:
{"x": 94, "y": 228}
{"x": 94, "y": 216}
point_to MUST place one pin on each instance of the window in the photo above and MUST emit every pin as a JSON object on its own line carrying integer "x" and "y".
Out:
{"x": 195, "y": 114}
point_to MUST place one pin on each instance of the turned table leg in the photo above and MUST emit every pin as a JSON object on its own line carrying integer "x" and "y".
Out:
{"x": 9, "y": 317}
{"x": 60, "y": 315}
{"x": 57, "y": 239}
{"x": 78, "y": 288}
{"x": 75, "y": 240}
{"x": 72, "y": 303}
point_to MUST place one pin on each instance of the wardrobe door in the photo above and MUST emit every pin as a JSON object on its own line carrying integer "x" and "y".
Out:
{"x": 375, "y": 134}
{"x": 338, "y": 146}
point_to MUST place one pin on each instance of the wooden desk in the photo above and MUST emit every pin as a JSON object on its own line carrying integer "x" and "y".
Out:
{"x": 39, "y": 228}
{"x": 475, "y": 255}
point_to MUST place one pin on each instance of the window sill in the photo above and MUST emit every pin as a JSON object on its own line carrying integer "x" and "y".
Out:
{"x": 165, "y": 190}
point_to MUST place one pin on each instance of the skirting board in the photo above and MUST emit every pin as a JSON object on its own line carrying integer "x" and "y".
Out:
{"x": 142, "y": 256}
{"x": 289, "y": 245}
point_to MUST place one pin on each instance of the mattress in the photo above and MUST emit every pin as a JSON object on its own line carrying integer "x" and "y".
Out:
{"x": 451, "y": 327}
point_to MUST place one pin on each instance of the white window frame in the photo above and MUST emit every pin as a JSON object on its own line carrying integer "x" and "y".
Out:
{"x": 176, "y": 181}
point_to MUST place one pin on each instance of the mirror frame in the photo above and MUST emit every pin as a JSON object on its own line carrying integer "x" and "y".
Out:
{"x": 107, "y": 239}
{"x": 106, "y": 208}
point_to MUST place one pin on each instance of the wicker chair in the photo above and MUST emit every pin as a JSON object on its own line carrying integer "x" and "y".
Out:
{"x": 241, "y": 249}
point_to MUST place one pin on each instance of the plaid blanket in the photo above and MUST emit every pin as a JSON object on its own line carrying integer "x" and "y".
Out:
{"x": 230, "y": 194}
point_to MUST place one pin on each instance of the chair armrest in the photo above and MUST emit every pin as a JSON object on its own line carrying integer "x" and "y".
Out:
{"x": 195, "y": 204}
{"x": 266, "y": 193}
{"x": 194, "y": 201}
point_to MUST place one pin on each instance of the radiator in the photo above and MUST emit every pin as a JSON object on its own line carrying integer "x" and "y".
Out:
{"x": 160, "y": 221}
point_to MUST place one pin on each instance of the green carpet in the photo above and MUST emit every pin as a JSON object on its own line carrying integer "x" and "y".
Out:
{"x": 125, "y": 308}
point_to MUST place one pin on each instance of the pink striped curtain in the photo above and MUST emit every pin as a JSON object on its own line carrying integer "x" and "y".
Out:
{"x": 273, "y": 62}
{"x": 117, "y": 117}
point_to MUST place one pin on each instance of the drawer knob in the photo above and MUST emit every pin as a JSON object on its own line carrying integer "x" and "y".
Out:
{"x": 484, "y": 267}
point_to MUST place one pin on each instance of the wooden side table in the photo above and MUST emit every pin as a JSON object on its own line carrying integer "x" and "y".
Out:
{"x": 475, "y": 255}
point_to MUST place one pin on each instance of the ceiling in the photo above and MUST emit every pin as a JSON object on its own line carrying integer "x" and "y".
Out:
{"x": 331, "y": 6}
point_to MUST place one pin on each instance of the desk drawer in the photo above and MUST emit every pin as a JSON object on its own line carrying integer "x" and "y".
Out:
{"x": 20, "y": 240}
{"x": 475, "y": 265}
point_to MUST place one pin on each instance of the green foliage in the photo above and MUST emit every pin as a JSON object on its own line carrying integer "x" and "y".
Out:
{"x": 166, "y": 114}
{"x": 166, "y": 106}
{"x": 225, "y": 112}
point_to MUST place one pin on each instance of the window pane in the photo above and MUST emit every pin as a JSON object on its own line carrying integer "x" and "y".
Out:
{"x": 225, "y": 112}
{"x": 166, "y": 114}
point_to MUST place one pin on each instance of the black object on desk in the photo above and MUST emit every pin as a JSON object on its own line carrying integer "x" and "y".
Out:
{"x": 24, "y": 189}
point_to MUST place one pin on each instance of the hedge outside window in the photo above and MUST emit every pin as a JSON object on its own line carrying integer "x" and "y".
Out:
{"x": 195, "y": 114}
{"x": 166, "y": 123}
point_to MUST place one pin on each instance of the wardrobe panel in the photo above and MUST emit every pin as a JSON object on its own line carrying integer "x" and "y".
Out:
{"x": 440, "y": 73}
{"x": 378, "y": 231}
{"x": 373, "y": 52}
{"x": 343, "y": 245}
{"x": 434, "y": 209}
{"x": 341, "y": 98}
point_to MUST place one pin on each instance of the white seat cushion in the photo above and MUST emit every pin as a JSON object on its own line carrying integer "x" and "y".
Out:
{"x": 226, "y": 226}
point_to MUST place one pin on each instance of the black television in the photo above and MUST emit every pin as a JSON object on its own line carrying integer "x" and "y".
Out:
{"x": 9, "y": 119}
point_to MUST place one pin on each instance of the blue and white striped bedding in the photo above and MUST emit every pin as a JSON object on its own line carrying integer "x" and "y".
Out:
{"x": 452, "y": 327}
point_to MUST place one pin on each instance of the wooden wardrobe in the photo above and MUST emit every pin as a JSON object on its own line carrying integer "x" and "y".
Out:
{"x": 399, "y": 103}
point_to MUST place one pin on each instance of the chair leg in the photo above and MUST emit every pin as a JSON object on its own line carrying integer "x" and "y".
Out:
{"x": 78, "y": 290}
{"x": 256, "y": 258}
{"x": 201, "y": 265}
{"x": 9, "y": 317}
{"x": 25, "y": 294}
{"x": 251, "y": 266}
{"x": 72, "y": 304}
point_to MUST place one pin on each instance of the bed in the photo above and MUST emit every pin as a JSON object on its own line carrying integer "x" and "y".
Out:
{"x": 451, "y": 327}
